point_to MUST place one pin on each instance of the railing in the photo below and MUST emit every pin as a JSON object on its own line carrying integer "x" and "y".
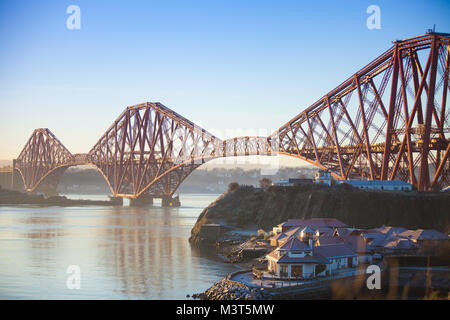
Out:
{"x": 257, "y": 273}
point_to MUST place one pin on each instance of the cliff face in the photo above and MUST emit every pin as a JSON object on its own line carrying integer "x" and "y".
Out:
{"x": 358, "y": 208}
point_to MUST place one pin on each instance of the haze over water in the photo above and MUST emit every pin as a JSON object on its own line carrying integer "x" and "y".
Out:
{"x": 123, "y": 252}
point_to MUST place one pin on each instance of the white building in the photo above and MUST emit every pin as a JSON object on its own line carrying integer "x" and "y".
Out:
{"x": 323, "y": 177}
{"x": 299, "y": 258}
{"x": 386, "y": 185}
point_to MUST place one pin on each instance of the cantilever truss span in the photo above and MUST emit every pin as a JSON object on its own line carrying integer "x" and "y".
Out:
{"x": 149, "y": 149}
{"x": 387, "y": 121}
{"x": 152, "y": 149}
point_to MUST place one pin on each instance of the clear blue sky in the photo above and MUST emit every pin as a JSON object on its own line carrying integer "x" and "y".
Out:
{"x": 226, "y": 65}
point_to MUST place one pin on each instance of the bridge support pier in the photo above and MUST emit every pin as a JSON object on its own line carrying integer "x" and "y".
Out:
{"x": 168, "y": 201}
{"x": 12, "y": 174}
{"x": 143, "y": 200}
{"x": 47, "y": 189}
{"x": 117, "y": 201}
{"x": 49, "y": 186}
{"x": 11, "y": 180}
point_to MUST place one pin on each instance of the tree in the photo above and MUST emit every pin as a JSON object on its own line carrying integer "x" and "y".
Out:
{"x": 265, "y": 183}
{"x": 233, "y": 186}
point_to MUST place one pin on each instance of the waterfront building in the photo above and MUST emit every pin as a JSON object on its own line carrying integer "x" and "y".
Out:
{"x": 299, "y": 257}
{"x": 351, "y": 239}
{"x": 316, "y": 223}
{"x": 422, "y": 236}
{"x": 389, "y": 231}
{"x": 383, "y": 185}
{"x": 323, "y": 177}
{"x": 400, "y": 247}
{"x": 430, "y": 242}
{"x": 398, "y": 240}
{"x": 303, "y": 250}
{"x": 292, "y": 182}
{"x": 281, "y": 238}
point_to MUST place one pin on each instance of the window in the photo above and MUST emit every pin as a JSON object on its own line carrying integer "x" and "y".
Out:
{"x": 283, "y": 270}
{"x": 297, "y": 271}
{"x": 319, "y": 268}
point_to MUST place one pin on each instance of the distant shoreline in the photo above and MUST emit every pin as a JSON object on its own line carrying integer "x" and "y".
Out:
{"x": 11, "y": 197}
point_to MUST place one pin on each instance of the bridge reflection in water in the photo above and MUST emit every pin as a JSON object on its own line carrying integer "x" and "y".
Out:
{"x": 123, "y": 252}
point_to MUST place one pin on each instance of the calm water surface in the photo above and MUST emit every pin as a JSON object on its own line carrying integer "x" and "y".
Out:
{"x": 123, "y": 252}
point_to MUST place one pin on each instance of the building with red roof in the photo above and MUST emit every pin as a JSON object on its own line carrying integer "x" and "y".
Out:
{"x": 300, "y": 256}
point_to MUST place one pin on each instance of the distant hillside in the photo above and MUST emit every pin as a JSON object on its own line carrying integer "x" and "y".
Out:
{"x": 89, "y": 180}
{"x": 359, "y": 208}
{"x": 5, "y": 163}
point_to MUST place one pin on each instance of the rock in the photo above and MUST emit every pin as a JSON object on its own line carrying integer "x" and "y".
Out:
{"x": 360, "y": 208}
{"x": 229, "y": 290}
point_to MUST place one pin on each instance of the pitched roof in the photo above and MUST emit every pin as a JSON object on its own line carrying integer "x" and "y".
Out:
{"x": 421, "y": 234}
{"x": 294, "y": 244}
{"x": 356, "y": 243}
{"x": 341, "y": 231}
{"x": 333, "y": 251}
{"x": 381, "y": 241}
{"x": 371, "y": 235}
{"x": 308, "y": 229}
{"x": 316, "y": 222}
{"x": 401, "y": 244}
{"x": 287, "y": 234}
{"x": 325, "y": 231}
{"x": 390, "y": 230}
{"x": 399, "y": 183}
{"x": 326, "y": 240}
{"x": 315, "y": 258}
{"x": 273, "y": 254}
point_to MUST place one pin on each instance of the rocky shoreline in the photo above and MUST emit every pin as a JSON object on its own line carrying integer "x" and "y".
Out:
{"x": 404, "y": 283}
{"x": 220, "y": 227}
{"x": 247, "y": 207}
{"x": 227, "y": 289}
{"x": 223, "y": 226}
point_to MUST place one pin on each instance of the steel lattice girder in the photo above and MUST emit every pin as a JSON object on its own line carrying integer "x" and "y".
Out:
{"x": 42, "y": 154}
{"x": 362, "y": 130}
{"x": 359, "y": 129}
{"x": 148, "y": 149}
{"x": 151, "y": 147}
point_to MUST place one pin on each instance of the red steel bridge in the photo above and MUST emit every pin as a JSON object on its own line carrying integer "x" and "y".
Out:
{"x": 387, "y": 121}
